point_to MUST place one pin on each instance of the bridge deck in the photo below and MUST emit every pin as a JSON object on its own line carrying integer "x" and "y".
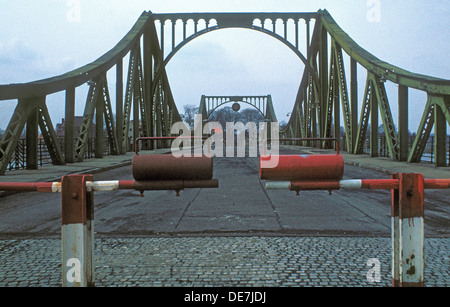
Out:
{"x": 237, "y": 235}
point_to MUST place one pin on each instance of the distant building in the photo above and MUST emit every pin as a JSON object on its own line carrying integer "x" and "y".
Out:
{"x": 60, "y": 128}
{"x": 131, "y": 129}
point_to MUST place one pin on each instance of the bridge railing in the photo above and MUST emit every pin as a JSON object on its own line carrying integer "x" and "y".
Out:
{"x": 428, "y": 156}
{"x": 19, "y": 157}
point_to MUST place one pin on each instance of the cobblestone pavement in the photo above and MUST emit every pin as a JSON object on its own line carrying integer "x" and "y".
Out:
{"x": 220, "y": 262}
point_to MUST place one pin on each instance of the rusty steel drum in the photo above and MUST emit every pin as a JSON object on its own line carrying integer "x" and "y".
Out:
{"x": 167, "y": 167}
{"x": 304, "y": 168}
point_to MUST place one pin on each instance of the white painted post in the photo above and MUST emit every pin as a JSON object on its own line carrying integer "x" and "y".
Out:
{"x": 411, "y": 227}
{"x": 77, "y": 232}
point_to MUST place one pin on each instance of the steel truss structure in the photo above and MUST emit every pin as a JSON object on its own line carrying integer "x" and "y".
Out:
{"x": 146, "y": 96}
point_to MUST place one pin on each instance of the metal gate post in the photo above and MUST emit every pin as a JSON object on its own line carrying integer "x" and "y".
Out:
{"x": 77, "y": 232}
{"x": 90, "y": 244}
{"x": 411, "y": 227}
{"x": 395, "y": 229}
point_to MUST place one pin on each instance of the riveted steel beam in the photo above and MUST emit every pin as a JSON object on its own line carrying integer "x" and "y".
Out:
{"x": 11, "y": 137}
{"x": 364, "y": 118}
{"x": 32, "y": 135}
{"x": 331, "y": 95}
{"x": 353, "y": 102}
{"x": 89, "y": 111}
{"x": 69, "y": 126}
{"x": 345, "y": 100}
{"x": 403, "y": 133}
{"x": 81, "y": 75}
{"x": 128, "y": 100}
{"x": 49, "y": 135}
{"x": 377, "y": 67}
{"x": 423, "y": 133}
{"x": 437, "y": 114}
{"x": 386, "y": 116}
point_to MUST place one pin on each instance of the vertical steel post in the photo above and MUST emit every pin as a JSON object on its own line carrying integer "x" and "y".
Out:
{"x": 119, "y": 106}
{"x": 77, "y": 211}
{"x": 373, "y": 124}
{"x": 173, "y": 32}
{"x": 100, "y": 108}
{"x": 308, "y": 38}
{"x": 403, "y": 135}
{"x": 411, "y": 226}
{"x": 69, "y": 126}
{"x": 354, "y": 102}
{"x": 32, "y": 160}
{"x": 162, "y": 38}
{"x": 337, "y": 103}
{"x": 148, "y": 80}
{"x": 324, "y": 86}
{"x": 136, "y": 110}
{"x": 440, "y": 132}
{"x": 297, "y": 46}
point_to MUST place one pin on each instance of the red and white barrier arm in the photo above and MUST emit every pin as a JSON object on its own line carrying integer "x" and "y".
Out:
{"x": 44, "y": 187}
{"x": 55, "y": 187}
{"x": 373, "y": 184}
{"x": 106, "y": 186}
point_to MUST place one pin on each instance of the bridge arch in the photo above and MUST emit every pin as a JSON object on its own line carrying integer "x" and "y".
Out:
{"x": 235, "y": 20}
{"x": 235, "y": 101}
{"x": 208, "y": 104}
{"x": 215, "y": 28}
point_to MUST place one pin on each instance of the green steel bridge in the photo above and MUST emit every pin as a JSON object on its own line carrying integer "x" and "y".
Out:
{"x": 322, "y": 97}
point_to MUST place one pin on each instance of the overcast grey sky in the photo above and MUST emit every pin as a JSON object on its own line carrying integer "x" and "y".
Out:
{"x": 40, "y": 39}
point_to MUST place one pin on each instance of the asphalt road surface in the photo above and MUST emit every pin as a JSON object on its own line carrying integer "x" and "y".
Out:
{"x": 240, "y": 206}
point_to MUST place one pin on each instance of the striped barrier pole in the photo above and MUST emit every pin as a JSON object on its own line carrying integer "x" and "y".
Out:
{"x": 77, "y": 232}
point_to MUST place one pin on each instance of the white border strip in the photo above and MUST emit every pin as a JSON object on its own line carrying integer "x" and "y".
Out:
{"x": 350, "y": 184}
{"x": 102, "y": 186}
{"x": 97, "y": 186}
{"x": 56, "y": 187}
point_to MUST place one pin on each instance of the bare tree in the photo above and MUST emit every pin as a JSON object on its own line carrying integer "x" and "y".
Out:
{"x": 189, "y": 114}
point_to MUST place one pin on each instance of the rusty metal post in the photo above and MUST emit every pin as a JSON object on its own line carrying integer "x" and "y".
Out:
{"x": 77, "y": 232}
{"x": 411, "y": 228}
{"x": 395, "y": 236}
